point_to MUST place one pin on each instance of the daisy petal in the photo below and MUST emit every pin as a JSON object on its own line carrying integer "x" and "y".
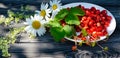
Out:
{"x": 33, "y": 32}
{"x": 42, "y": 6}
{"x": 46, "y": 6}
{"x": 59, "y": 1}
{"x": 25, "y": 23}
{"x": 54, "y": 13}
{"x": 41, "y": 31}
{"x": 51, "y": 3}
{"x": 32, "y": 18}
{"x": 27, "y": 28}
{"x": 47, "y": 18}
{"x": 37, "y": 12}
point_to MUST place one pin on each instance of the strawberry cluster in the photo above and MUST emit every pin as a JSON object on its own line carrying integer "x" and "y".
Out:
{"x": 95, "y": 22}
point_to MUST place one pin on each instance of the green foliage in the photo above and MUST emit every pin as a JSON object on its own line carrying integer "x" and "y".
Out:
{"x": 72, "y": 19}
{"x": 4, "y": 45}
{"x": 77, "y": 11}
{"x": 84, "y": 32}
{"x": 105, "y": 48}
{"x": 69, "y": 31}
{"x": 58, "y": 33}
{"x": 12, "y": 17}
{"x": 13, "y": 33}
{"x": 93, "y": 44}
{"x": 54, "y": 24}
{"x": 9, "y": 39}
{"x": 17, "y": 16}
{"x": 8, "y": 20}
{"x": 61, "y": 14}
{"x": 25, "y": 8}
{"x": 57, "y": 30}
{"x": 80, "y": 43}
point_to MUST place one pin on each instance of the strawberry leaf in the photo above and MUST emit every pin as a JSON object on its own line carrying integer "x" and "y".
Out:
{"x": 54, "y": 24}
{"x": 61, "y": 14}
{"x": 69, "y": 31}
{"x": 57, "y": 32}
{"x": 72, "y": 19}
{"x": 77, "y": 11}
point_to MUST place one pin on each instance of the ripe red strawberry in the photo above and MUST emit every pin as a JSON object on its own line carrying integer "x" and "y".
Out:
{"x": 95, "y": 22}
{"x": 74, "y": 48}
{"x": 63, "y": 23}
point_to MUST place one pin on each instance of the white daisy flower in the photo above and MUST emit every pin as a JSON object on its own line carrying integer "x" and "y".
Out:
{"x": 55, "y": 7}
{"x": 35, "y": 25}
{"x": 44, "y": 12}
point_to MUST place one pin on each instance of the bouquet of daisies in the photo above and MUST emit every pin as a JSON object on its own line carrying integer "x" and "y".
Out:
{"x": 36, "y": 23}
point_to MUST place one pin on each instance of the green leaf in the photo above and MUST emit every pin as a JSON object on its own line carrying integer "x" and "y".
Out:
{"x": 69, "y": 31}
{"x": 93, "y": 44}
{"x": 54, "y": 24}
{"x": 11, "y": 13}
{"x": 61, "y": 15}
{"x": 77, "y": 11}
{"x": 17, "y": 20}
{"x": 84, "y": 32}
{"x": 105, "y": 48}
{"x": 80, "y": 43}
{"x": 58, "y": 33}
{"x": 72, "y": 19}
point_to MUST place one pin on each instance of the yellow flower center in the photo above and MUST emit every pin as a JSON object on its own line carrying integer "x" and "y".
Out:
{"x": 54, "y": 7}
{"x": 43, "y": 13}
{"x": 36, "y": 24}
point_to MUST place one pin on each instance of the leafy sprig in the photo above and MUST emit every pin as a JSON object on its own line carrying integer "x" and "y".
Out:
{"x": 13, "y": 34}
{"x": 70, "y": 17}
{"x": 15, "y": 17}
{"x": 60, "y": 32}
{"x": 9, "y": 39}
{"x": 4, "y": 45}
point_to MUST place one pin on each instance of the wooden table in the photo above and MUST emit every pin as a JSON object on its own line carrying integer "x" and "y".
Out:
{"x": 45, "y": 46}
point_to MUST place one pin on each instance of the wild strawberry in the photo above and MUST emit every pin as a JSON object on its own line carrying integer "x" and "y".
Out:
{"x": 63, "y": 23}
{"x": 74, "y": 48}
{"x": 93, "y": 9}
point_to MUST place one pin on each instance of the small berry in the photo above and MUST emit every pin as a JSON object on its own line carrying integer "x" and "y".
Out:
{"x": 74, "y": 48}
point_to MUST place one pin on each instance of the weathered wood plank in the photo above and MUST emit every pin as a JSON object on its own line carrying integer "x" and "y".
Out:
{"x": 51, "y": 47}
{"x": 37, "y": 55}
{"x": 37, "y": 2}
{"x": 17, "y": 2}
{"x": 32, "y": 50}
{"x": 60, "y": 55}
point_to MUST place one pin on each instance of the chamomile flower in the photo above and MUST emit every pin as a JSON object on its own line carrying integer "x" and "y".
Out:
{"x": 55, "y": 7}
{"x": 44, "y": 11}
{"x": 35, "y": 25}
